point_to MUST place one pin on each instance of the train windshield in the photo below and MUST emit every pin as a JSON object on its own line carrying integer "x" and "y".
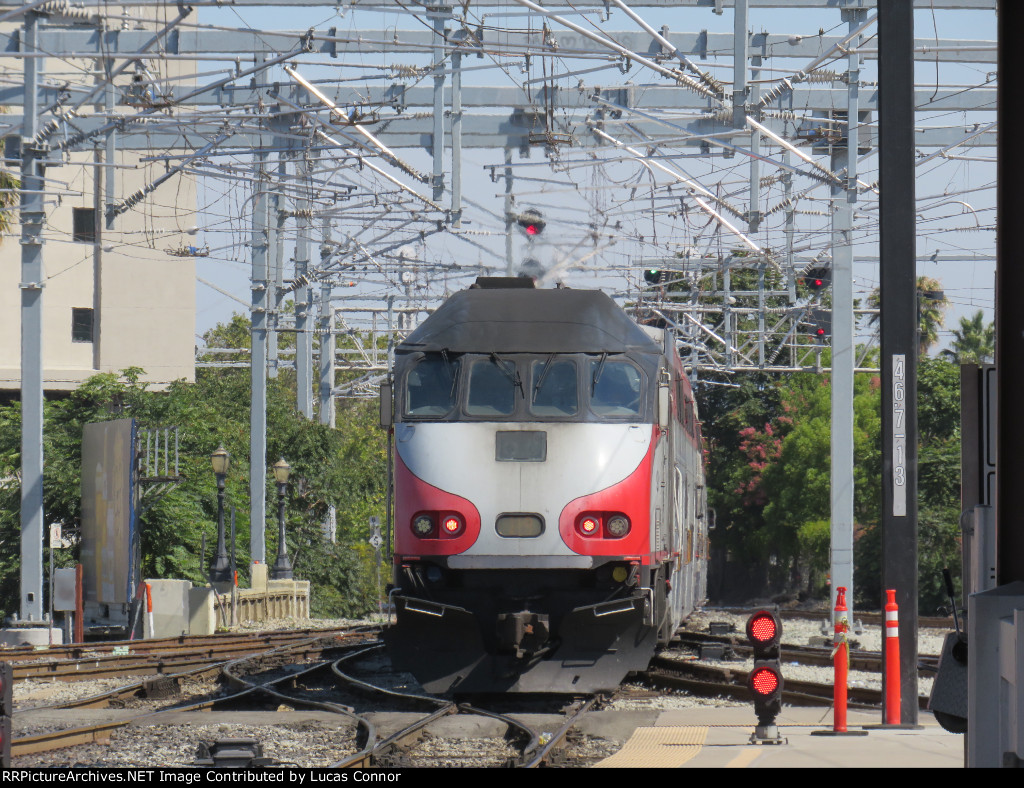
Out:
{"x": 432, "y": 386}
{"x": 614, "y": 388}
{"x": 553, "y": 388}
{"x": 525, "y": 387}
{"x": 493, "y": 383}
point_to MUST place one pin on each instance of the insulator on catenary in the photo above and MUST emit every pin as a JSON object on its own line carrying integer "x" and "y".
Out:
{"x": 787, "y": 203}
{"x": 779, "y": 90}
{"x": 783, "y": 115}
{"x": 61, "y": 8}
{"x": 128, "y": 203}
{"x": 825, "y": 76}
{"x": 46, "y": 131}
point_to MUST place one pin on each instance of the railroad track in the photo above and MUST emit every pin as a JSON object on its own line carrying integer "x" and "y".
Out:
{"x": 274, "y": 677}
{"x": 731, "y": 681}
{"x": 792, "y": 652}
{"x": 146, "y": 659}
{"x": 232, "y": 669}
{"x": 874, "y": 618}
{"x": 533, "y": 747}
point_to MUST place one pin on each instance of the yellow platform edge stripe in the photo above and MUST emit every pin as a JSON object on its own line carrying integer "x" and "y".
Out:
{"x": 659, "y": 747}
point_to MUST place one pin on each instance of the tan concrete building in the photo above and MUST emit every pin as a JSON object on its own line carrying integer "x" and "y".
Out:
{"x": 144, "y": 315}
{"x": 113, "y": 297}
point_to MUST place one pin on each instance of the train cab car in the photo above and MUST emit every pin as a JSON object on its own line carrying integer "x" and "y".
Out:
{"x": 548, "y": 494}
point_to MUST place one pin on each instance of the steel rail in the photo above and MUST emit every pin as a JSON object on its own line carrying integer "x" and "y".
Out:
{"x": 733, "y": 682}
{"x": 108, "y": 666}
{"x": 100, "y": 732}
{"x": 860, "y": 659}
{"x": 150, "y": 645}
{"x": 542, "y": 756}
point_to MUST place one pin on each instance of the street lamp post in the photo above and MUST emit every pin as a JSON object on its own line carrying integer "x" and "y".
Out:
{"x": 220, "y": 568}
{"x": 282, "y": 569}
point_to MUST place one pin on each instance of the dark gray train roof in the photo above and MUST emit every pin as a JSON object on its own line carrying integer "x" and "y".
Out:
{"x": 526, "y": 320}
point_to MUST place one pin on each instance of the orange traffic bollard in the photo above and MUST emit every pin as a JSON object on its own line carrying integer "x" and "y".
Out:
{"x": 841, "y": 660}
{"x": 841, "y": 655}
{"x": 892, "y": 659}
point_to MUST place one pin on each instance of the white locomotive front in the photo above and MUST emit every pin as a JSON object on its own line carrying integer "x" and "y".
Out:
{"x": 548, "y": 526}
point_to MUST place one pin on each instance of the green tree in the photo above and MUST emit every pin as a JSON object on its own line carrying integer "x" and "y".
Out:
{"x": 343, "y": 467}
{"x": 769, "y": 480}
{"x": 973, "y": 343}
{"x": 931, "y": 311}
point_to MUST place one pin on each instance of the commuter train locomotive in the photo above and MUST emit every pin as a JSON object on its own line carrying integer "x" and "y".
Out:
{"x": 550, "y": 524}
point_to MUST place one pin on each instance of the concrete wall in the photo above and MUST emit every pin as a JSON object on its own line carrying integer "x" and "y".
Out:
{"x": 171, "y": 610}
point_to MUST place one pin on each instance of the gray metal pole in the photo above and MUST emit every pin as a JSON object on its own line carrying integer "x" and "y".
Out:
{"x": 326, "y": 338}
{"x": 275, "y": 248}
{"x": 258, "y": 367}
{"x": 843, "y": 355}
{"x": 303, "y": 306}
{"x": 439, "y": 15}
{"x": 457, "y": 139}
{"x": 898, "y": 278}
{"x": 32, "y": 218}
{"x": 740, "y": 26}
{"x": 509, "y": 267}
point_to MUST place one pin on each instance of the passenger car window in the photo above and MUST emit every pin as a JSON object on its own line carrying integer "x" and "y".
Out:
{"x": 492, "y": 388}
{"x": 431, "y": 387}
{"x": 615, "y": 388}
{"x": 553, "y": 387}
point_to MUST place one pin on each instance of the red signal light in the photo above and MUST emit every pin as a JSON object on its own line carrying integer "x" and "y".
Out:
{"x": 531, "y": 229}
{"x": 762, "y": 628}
{"x": 818, "y": 283}
{"x": 764, "y": 681}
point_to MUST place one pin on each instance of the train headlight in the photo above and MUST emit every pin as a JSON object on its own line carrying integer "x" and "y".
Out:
{"x": 619, "y": 574}
{"x": 423, "y": 525}
{"x": 618, "y": 526}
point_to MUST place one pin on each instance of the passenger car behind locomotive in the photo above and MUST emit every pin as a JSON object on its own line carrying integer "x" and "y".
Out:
{"x": 550, "y": 523}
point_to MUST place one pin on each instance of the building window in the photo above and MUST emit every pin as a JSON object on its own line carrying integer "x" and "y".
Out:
{"x": 84, "y": 225}
{"x": 81, "y": 325}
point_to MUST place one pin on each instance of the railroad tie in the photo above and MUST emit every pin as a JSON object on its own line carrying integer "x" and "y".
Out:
{"x": 660, "y": 747}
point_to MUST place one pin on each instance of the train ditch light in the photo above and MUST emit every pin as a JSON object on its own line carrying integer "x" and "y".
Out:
{"x": 764, "y": 633}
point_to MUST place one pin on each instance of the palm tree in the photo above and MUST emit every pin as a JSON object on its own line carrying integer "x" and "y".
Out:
{"x": 931, "y": 311}
{"x": 9, "y": 185}
{"x": 973, "y": 343}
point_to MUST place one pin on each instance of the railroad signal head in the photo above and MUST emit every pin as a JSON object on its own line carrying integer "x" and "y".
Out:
{"x": 653, "y": 276}
{"x": 821, "y": 324}
{"x": 817, "y": 279}
{"x": 532, "y": 222}
{"x": 764, "y": 633}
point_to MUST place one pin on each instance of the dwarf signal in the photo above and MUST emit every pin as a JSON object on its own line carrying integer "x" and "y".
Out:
{"x": 764, "y": 633}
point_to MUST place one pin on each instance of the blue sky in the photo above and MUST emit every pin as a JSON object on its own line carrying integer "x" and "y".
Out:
{"x": 968, "y": 186}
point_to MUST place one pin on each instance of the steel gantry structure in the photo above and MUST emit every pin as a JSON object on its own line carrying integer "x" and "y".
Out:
{"x": 335, "y": 159}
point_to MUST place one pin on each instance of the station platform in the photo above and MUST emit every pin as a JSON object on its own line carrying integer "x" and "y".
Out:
{"x": 720, "y": 738}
